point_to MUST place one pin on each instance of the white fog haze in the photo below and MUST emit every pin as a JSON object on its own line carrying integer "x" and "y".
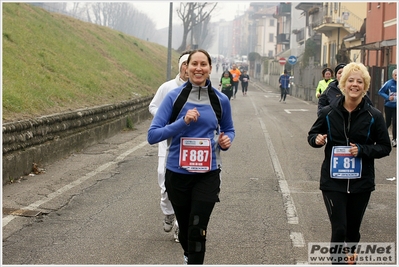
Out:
{"x": 158, "y": 11}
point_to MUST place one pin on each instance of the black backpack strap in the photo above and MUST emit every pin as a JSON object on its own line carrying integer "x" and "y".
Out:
{"x": 180, "y": 101}
{"x": 214, "y": 99}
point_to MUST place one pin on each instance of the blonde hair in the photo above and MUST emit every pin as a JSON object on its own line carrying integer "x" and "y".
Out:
{"x": 355, "y": 67}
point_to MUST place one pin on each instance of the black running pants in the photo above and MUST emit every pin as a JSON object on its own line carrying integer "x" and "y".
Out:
{"x": 346, "y": 214}
{"x": 390, "y": 117}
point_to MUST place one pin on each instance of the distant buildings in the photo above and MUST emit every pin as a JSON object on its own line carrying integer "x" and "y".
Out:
{"x": 340, "y": 32}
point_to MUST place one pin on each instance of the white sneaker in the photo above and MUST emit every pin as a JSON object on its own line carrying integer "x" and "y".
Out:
{"x": 185, "y": 258}
{"x": 176, "y": 234}
{"x": 168, "y": 222}
{"x": 394, "y": 142}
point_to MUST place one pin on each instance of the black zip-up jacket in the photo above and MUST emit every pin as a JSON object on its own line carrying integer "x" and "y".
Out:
{"x": 365, "y": 127}
{"x": 329, "y": 96}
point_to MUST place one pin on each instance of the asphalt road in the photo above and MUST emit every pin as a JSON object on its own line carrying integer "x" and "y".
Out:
{"x": 101, "y": 205}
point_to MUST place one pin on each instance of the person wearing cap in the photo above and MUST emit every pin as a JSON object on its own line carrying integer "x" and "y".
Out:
{"x": 162, "y": 91}
{"x": 333, "y": 92}
{"x": 322, "y": 85}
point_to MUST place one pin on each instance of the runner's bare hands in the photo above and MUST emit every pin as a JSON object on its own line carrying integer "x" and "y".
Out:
{"x": 224, "y": 141}
{"x": 321, "y": 139}
{"x": 354, "y": 149}
{"x": 191, "y": 115}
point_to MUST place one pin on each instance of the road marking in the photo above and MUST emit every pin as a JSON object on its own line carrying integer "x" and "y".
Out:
{"x": 290, "y": 209}
{"x": 67, "y": 187}
{"x": 289, "y": 110}
{"x": 273, "y": 96}
{"x": 297, "y": 239}
{"x": 289, "y": 205}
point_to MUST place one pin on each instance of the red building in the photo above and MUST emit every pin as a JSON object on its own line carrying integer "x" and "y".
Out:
{"x": 381, "y": 34}
{"x": 378, "y": 51}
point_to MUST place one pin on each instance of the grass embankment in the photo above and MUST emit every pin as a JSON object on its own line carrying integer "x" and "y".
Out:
{"x": 54, "y": 63}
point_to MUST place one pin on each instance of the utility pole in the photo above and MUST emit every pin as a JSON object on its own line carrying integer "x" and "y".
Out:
{"x": 169, "y": 63}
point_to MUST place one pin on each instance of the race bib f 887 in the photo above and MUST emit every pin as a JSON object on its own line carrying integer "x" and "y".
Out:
{"x": 195, "y": 154}
{"x": 344, "y": 165}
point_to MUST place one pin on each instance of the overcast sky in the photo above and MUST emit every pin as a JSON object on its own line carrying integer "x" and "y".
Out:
{"x": 158, "y": 11}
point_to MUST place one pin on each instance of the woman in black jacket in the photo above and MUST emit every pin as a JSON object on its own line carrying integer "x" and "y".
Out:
{"x": 355, "y": 134}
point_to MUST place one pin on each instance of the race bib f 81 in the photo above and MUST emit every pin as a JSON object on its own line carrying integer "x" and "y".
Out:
{"x": 195, "y": 154}
{"x": 344, "y": 165}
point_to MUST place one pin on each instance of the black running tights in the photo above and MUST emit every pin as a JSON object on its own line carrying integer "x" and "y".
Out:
{"x": 390, "y": 117}
{"x": 193, "y": 218}
{"x": 346, "y": 214}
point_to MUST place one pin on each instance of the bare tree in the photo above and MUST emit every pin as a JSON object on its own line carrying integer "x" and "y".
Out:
{"x": 203, "y": 34}
{"x": 77, "y": 11}
{"x": 193, "y": 14}
{"x": 135, "y": 23}
{"x": 121, "y": 16}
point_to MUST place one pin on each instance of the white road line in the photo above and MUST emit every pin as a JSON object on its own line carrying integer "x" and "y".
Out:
{"x": 290, "y": 209}
{"x": 289, "y": 205}
{"x": 289, "y": 110}
{"x": 297, "y": 239}
{"x": 67, "y": 187}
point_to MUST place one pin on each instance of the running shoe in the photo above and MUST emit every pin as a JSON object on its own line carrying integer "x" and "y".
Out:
{"x": 168, "y": 222}
{"x": 176, "y": 234}
{"x": 185, "y": 258}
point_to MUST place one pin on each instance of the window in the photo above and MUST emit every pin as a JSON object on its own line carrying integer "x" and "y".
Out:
{"x": 333, "y": 53}
{"x": 271, "y": 23}
{"x": 270, "y": 53}
{"x": 271, "y": 37}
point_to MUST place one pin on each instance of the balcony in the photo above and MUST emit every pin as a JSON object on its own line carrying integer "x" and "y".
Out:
{"x": 283, "y": 38}
{"x": 284, "y": 9}
{"x": 300, "y": 35}
{"x": 344, "y": 19}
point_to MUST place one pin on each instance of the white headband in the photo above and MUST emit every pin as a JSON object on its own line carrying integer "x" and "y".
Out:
{"x": 182, "y": 59}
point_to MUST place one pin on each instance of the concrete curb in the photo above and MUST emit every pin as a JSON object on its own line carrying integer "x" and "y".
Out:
{"x": 46, "y": 139}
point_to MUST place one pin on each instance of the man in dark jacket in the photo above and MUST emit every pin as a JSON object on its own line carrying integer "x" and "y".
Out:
{"x": 284, "y": 81}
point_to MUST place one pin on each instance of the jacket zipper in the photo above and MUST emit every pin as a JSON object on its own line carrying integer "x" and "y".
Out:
{"x": 347, "y": 143}
{"x": 199, "y": 93}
